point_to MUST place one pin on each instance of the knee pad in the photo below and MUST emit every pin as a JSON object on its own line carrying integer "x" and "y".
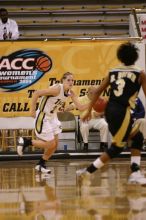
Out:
{"x": 137, "y": 141}
{"x": 114, "y": 151}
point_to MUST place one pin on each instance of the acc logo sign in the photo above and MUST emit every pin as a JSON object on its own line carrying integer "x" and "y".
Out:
{"x": 23, "y": 68}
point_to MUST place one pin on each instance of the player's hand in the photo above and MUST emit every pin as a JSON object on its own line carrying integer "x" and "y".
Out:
{"x": 69, "y": 108}
{"x": 61, "y": 109}
{"x": 72, "y": 94}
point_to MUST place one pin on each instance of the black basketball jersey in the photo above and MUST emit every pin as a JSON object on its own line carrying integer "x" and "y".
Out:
{"x": 124, "y": 85}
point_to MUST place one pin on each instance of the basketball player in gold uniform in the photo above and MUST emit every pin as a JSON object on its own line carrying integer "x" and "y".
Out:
{"x": 47, "y": 125}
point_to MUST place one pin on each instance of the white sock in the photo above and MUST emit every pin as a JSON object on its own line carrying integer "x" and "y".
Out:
{"x": 136, "y": 159}
{"x": 98, "y": 163}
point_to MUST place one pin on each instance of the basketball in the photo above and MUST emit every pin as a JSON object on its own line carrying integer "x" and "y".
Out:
{"x": 43, "y": 63}
{"x": 100, "y": 105}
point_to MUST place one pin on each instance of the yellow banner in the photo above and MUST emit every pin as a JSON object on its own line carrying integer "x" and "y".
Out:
{"x": 89, "y": 61}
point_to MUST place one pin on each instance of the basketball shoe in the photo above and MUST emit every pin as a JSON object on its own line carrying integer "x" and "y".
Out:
{"x": 84, "y": 176}
{"x": 22, "y": 143}
{"x": 82, "y": 172}
{"x": 137, "y": 178}
{"x": 42, "y": 169}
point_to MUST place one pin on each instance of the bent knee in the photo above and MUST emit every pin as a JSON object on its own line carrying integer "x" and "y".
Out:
{"x": 137, "y": 141}
{"x": 114, "y": 151}
{"x": 51, "y": 144}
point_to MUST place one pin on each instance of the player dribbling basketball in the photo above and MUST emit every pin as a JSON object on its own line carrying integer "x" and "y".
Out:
{"x": 125, "y": 82}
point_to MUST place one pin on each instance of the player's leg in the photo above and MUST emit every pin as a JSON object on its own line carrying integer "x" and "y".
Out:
{"x": 24, "y": 143}
{"x": 48, "y": 146}
{"x": 44, "y": 134}
{"x": 50, "y": 131}
{"x": 49, "y": 149}
{"x": 142, "y": 127}
{"x": 136, "y": 175}
{"x": 118, "y": 138}
{"x": 47, "y": 139}
{"x": 110, "y": 153}
{"x": 120, "y": 130}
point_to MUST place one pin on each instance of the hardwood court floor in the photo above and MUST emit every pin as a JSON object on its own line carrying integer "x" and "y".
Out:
{"x": 27, "y": 195}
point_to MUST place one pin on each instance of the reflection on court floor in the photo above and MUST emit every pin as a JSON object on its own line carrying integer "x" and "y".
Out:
{"x": 25, "y": 194}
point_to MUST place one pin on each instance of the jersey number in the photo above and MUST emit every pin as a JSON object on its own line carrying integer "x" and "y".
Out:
{"x": 120, "y": 86}
{"x": 55, "y": 106}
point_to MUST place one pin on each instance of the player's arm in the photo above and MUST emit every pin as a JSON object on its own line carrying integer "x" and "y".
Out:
{"x": 52, "y": 91}
{"x": 77, "y": 103}
{"x": 70, "y": 107}
{"x": 97, "y": 93}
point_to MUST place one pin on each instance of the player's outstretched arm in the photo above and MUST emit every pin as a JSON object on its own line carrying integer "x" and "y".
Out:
{"x": 97, "y": 93}
{"x": 54, "y": 91}
{"x": 76, "y": 101}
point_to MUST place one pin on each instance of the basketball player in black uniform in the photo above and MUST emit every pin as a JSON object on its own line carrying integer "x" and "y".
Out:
{"x": 125, "y": 82}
